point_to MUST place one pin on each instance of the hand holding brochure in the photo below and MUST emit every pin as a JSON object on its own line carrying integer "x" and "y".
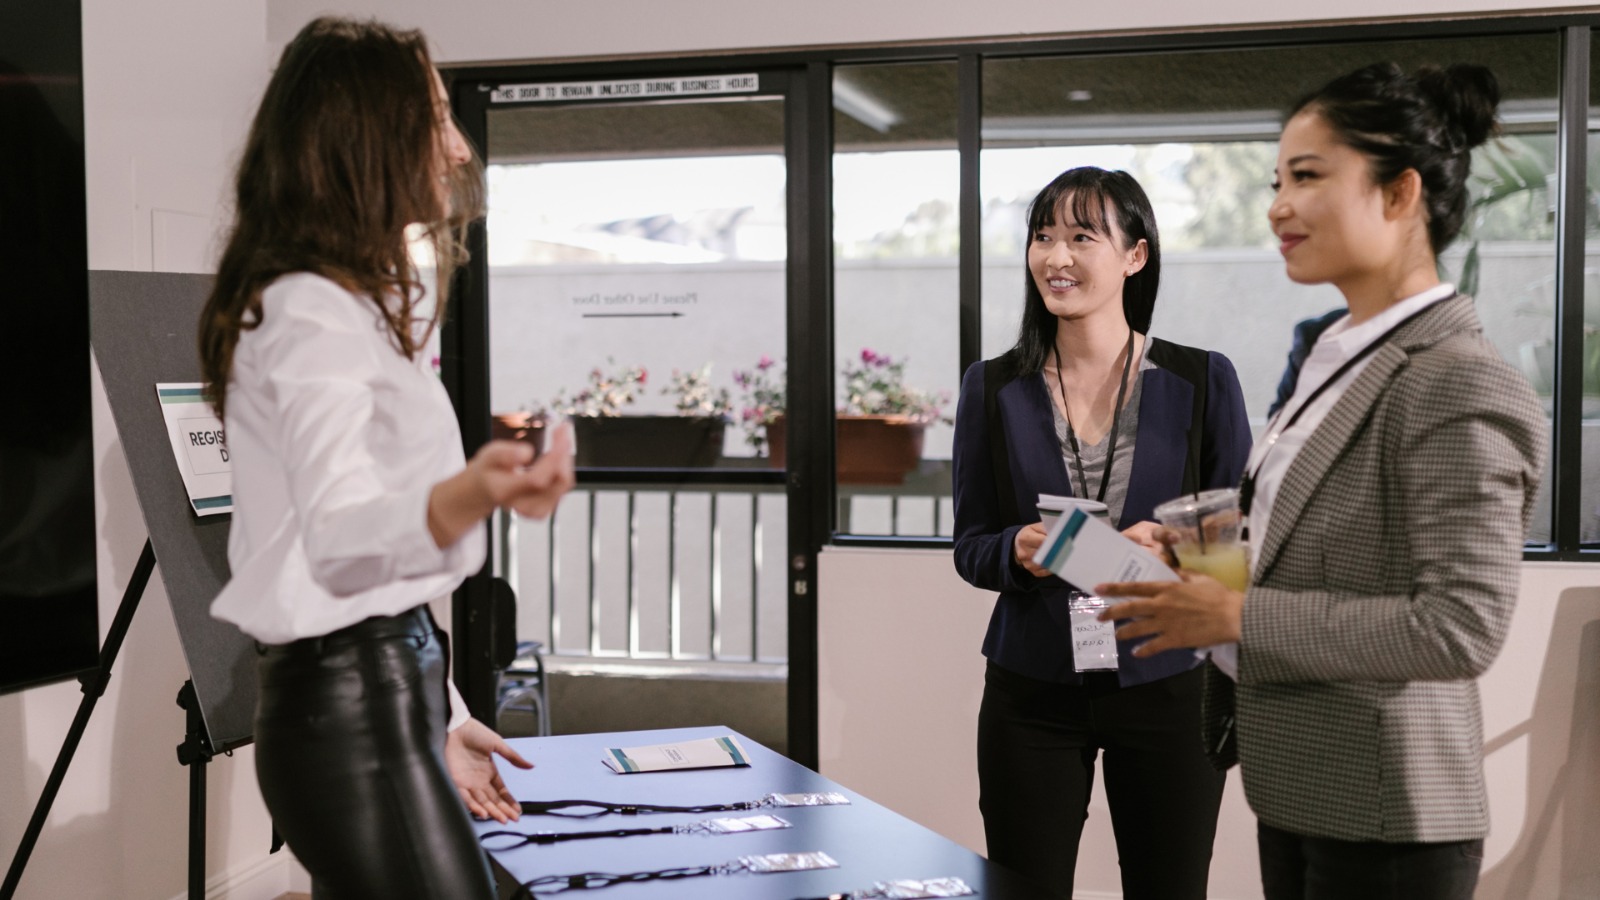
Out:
{"x": 708, "y": 753}
{"x": 1085, "y": 551}
{"x": 1053, "y": 506}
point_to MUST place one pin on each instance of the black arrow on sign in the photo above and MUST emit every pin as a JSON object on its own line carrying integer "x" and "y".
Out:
{"x": 638, "y": 315}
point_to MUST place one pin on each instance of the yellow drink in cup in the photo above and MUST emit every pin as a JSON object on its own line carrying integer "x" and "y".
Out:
{"x": 1227, "y": 563}
{"x": 1208, "y": 527}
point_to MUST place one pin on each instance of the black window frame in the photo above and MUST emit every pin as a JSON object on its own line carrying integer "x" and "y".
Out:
{"x": 813, "y": 489}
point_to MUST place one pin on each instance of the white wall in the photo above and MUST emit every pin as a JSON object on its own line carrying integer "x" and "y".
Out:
{"x": 489, "y": 30}
{"x": 901, "y": 678}
{"x": 168, "y": 89}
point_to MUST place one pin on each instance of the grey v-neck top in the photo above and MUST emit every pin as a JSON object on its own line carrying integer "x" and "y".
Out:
{"x": 1094, "y": 455}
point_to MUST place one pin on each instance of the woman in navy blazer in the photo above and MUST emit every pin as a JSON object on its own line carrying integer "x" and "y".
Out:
{"x": 1084, "y": 405}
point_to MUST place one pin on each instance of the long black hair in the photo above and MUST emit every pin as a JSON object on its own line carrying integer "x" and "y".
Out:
{"x": 1428, "y": 121}
{"x": 1089, "y": 191}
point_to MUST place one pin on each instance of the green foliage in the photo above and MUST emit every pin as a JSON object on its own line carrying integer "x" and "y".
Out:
{"x": 1231, "y": 188}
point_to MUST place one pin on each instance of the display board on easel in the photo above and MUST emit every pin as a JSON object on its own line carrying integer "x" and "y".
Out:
{"x": 144, "y": 334}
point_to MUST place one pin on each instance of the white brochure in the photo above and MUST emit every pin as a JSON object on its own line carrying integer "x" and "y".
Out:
{"x": 709, "y": 753}
{"x": 1085, "y": 551}
{"x": 199, "y": 447}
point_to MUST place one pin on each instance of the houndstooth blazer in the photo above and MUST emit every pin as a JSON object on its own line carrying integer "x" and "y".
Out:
{"x": 1384, "y": 587}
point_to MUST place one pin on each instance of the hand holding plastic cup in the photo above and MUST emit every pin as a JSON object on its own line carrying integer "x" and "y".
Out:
{"x": 1208, "y": 530}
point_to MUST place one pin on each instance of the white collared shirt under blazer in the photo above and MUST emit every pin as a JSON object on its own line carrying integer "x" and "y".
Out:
{"x": 337, "y": 440}
{"x": 1383, "y": 587}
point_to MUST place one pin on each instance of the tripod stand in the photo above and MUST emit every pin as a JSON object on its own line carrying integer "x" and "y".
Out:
{"x": 195, "y": 751}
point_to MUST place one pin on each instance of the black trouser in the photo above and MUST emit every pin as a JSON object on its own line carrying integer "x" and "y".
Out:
{"x": 350, "y": 731}
{"x": 1297, "y": 867}
{"x": 1037, "y": 743}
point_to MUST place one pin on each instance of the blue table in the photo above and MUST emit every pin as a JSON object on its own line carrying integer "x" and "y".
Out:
{"x": 870, "y": 843}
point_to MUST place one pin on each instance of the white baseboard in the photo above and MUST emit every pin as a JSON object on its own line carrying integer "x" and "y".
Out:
{"x": 264, "y": 879}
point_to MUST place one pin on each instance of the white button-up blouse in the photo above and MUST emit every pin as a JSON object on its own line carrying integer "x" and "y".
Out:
{"x": 337, "y": 440}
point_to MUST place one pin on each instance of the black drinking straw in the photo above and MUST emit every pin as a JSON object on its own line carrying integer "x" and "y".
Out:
{"x": 1200, "y": 523}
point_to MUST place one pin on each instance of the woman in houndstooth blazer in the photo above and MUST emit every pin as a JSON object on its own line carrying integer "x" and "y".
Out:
{"x": 1388, "y": 501}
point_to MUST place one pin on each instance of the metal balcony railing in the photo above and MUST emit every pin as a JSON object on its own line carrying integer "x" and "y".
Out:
{"x": 683, "y": 572}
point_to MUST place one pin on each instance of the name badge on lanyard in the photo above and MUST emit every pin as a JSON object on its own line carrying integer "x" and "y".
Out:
{"x": 1094, "y": 643}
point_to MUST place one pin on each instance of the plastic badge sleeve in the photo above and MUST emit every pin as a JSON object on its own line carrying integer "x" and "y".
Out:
{"x": 830, "y": 798}
{"x": 920, "y": 889}
{"x": 788, "y": 862}
{"x": 739, "y": 825}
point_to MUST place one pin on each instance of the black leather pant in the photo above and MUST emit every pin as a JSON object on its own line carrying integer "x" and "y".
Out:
{"x": 350, "y": 731}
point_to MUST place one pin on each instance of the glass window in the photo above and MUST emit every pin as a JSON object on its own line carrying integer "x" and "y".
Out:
{"x": 1589, "y": 504}
{"x": 637, "y": 273}
{"x": 896, "y": 194}
{"x": 1199, "y": 132}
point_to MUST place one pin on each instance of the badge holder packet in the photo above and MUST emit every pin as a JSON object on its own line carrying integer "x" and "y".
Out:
{"x": 1085, "y": 550}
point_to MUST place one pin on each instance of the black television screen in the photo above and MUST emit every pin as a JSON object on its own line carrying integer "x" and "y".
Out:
{"x": 49, "y": 628}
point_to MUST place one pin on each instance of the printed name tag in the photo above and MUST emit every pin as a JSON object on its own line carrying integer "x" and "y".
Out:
{"x": 788, "y": 862}
{"x": 1094, "y": 643}
{"x": 745, "y": 823}
{"x": 830, "y": 798}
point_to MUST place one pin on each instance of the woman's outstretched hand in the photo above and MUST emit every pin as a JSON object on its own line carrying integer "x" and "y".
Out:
{"x": 1198, "y": 611}
{"x": 500, "y": 474}
{"x": 469, "y": 753}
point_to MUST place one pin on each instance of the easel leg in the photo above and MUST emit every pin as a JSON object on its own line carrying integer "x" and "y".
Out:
{"x": 197, "y": 830}
{"x": 195, "y": 752}
{"x": 94, "y": 685}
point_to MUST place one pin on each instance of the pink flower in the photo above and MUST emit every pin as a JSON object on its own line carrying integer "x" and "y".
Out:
{"x": 867, "y": 356}
{"x": 765, "y": 362}
{"x": 642, "y": 375}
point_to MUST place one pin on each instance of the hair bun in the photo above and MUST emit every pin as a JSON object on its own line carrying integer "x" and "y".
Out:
{"x": 1468, "y": 95}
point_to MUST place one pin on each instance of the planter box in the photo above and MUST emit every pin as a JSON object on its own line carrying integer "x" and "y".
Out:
{"x": 867, "y": 449}
{"x": 648, "y": 442}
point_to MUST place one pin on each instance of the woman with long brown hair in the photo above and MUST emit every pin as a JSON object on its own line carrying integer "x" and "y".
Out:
{"x": 353, "y": 504}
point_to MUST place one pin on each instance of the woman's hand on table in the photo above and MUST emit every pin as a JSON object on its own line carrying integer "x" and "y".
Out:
{"x": 1198, "y": 611}
{"x": 469, "y": 753}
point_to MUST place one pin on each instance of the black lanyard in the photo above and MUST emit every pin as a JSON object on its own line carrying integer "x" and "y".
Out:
{"x": 558, "y": 884}
{"x": 1116, "y": 422}
{"x": 507, "y": 840}
{"x": 1247, "y": 487}
{"x": 575, "y": 809}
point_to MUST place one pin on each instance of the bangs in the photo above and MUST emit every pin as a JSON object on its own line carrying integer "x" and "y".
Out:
{"x": 1083, "y": 201}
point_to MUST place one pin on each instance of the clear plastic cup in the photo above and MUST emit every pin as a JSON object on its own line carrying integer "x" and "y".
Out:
{"x": 1208, "y": 525}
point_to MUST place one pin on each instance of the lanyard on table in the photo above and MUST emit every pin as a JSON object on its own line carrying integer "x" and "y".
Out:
{"x": 764, "y": 864}
{"x": 509, "y": 840}
{"x": 591, "y": 809}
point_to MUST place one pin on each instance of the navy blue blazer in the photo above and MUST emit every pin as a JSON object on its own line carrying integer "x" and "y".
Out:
{"x": 1030, "y": 631}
